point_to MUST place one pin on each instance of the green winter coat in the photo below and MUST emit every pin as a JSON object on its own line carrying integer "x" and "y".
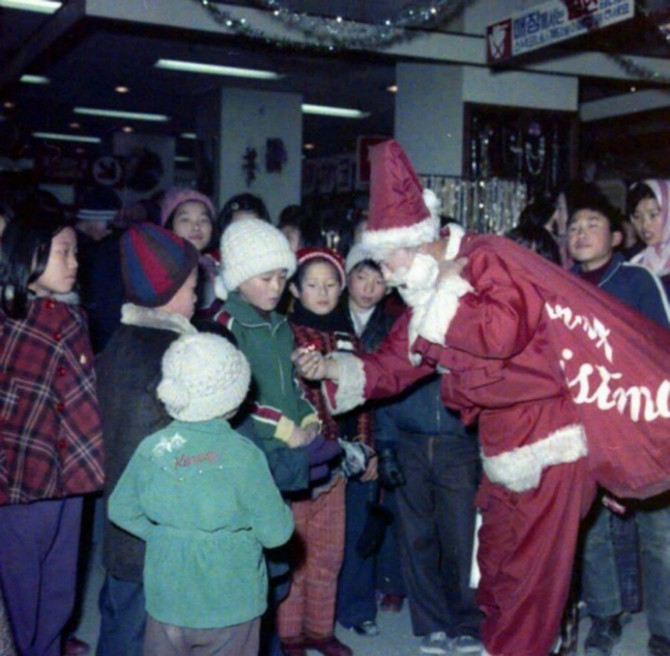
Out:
{"x": 203, "y": 499}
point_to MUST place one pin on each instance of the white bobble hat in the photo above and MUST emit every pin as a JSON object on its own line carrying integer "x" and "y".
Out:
{"x": 251, "y": 247}
{"x": 204, "y": 376}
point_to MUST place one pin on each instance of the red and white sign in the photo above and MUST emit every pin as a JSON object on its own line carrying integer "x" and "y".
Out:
{"x": 551, "y": 22}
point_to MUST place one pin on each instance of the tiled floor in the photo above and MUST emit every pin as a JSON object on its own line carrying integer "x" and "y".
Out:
{"x": 395, "y": 637}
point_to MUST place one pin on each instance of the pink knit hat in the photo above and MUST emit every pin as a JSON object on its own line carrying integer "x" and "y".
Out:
{"x": 307, "y": 254}
{"x": 177, "y": 195}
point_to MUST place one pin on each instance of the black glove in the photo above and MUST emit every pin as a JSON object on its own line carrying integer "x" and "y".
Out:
{"x": 388, "y": 468}
{"x": 320, "y": 450}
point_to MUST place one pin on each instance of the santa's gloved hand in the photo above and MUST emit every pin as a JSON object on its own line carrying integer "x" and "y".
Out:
{"x": 321, "y": 451}
{"x": 390, "y": 472}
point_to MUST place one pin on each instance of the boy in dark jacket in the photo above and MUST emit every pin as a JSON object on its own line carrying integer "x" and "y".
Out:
{"x": 594, "y": 231}
{"x": 159, "y": 273}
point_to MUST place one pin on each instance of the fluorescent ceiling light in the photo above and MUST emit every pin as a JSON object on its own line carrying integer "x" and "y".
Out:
{"x": 66, "y": 137}
{"x": 182, "y": 158}
{"x": 341, "y": 112}
{"x": 34, "y": 79}
{"x": 112, "y": 113}
{"x": 40, "y": 6}
{"x": 188, "y": 135}
{"x": 212, "y": 69}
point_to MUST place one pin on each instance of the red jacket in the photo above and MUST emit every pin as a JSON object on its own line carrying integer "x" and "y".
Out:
{"x": 554, "y": 369}
{"x": 49, "y": 419}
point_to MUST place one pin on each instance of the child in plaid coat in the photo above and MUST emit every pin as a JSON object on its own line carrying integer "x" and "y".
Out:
{"x": 51, "y": 437}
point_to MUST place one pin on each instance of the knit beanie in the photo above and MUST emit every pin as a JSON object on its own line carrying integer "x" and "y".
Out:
{"x": 357, "y": 254}
{"x": 98, "y": 204}
{"x": 306, "y": 255}
{"x": 177, "y": 196}
{"x": 402, "y": 213}
{"x": 204, "y": 377}
{"x": 251, "y": 247}
{"x": 154, "y": 263}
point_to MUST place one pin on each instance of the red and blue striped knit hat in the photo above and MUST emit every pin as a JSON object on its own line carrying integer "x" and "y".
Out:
{"x": 155, "y": 264}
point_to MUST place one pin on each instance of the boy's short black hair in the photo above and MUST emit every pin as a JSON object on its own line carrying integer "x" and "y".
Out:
{"x": 367, "y": 263}
{"x": 591, "y": 198}
{"x": 639, "y": 191}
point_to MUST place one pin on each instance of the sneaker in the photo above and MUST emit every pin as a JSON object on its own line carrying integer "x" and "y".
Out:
{"x": 368, "y": 628}
{"x": 75, "y": 647}
{"x": 435, "y": 643}
{"x": 658, "y": 646}
{"x": 329, "y": 646}
{"x": 604, "y": 633}
{"x": 465, "y": 644}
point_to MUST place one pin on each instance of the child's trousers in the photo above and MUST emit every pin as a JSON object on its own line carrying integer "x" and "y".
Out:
{"x": 168, "y": 640}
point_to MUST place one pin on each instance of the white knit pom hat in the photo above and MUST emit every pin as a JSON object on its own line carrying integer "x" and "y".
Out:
{"x": 251, "y": 247}
{"x": 204, "y": 376}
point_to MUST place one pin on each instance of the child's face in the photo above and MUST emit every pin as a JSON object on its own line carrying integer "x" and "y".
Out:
{"x": 320, "y": 288}
{"x": 294, "y": 236}
{"x": 193, "y": 223}
{"x": 647, "y": 219}
{"x": 366, "y": 287}
{"x": 183, "y": 302}
{"x": 60, "y": 274}
{"x": 264, "y": 291}
{"x": 590, "y": 239}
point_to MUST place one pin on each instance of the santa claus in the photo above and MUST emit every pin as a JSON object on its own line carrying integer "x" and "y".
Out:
{"x": 569, "y": 387}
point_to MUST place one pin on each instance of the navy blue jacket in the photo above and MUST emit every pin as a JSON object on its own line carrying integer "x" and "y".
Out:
{"x": 637, "y": 287}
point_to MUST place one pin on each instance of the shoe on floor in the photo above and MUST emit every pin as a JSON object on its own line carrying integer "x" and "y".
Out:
{"x": 368, "y": 628}
{"x": 75, "y": 647}
{"x": 293, "y": 649}
{"x": 604, "y": 633}
{"x": 391, "y": 603}
{"x": 658, "y": 646}
{"x": 465, "y": 644}
{"x": 329, "y": 646}
{"x": 435, "y": 643}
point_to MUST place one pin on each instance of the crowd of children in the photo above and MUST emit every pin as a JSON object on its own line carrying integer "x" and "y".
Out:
{"x": 246, "y": 514}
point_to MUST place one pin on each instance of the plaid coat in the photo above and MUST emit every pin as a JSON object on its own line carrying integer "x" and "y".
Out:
{"x": 50, "y": 433}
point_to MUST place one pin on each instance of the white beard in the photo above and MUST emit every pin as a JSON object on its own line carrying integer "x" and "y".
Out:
{"x": 417, "y": 282}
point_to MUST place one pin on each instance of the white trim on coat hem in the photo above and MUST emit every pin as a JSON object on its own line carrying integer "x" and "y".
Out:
{"x": 520, "y": 469}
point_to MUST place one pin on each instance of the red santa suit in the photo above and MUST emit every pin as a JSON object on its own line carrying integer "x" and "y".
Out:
{"x": 570, "y": 390}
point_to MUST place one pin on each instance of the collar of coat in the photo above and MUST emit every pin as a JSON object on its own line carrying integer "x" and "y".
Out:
{"x": 144, "y": 317}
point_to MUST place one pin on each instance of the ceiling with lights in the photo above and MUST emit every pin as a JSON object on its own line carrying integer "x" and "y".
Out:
{"x": 82, "y": 62}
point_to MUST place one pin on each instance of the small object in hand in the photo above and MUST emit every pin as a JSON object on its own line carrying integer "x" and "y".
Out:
{"x": 356, "y": 458}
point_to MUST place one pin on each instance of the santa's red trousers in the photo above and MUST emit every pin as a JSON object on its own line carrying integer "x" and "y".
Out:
{"x": 526, "y": 552}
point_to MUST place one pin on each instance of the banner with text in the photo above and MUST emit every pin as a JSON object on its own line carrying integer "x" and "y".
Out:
{"x": 551, "y": 22}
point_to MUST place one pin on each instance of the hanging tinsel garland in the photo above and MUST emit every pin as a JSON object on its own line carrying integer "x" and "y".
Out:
{"x": 338, "y": 33}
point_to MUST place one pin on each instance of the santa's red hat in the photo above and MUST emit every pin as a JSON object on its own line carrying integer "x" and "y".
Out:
{"x": 402, "y": 214}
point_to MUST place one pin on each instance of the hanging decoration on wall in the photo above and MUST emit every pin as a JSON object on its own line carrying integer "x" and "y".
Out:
{"x": 275, "y": 155}
{"x": 249, "y": 165}
{"x": 490, "y": 205}
{"x": 535, "y": 149}
{"x": 339, "y": 33}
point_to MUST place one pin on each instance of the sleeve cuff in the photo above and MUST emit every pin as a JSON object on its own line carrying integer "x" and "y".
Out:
{"x": 284, "y": 429}
{"x": 349, "y": 391}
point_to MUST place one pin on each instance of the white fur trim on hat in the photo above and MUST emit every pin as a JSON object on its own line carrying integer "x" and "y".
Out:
{"x": 204, "y": 377}
{"x": 251, "y": 247}
{"x": 357, "y": 254}
{"x": 380, "y": 242}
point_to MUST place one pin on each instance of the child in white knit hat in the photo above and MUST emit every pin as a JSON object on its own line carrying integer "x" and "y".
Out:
{"x": 202, "y": 497}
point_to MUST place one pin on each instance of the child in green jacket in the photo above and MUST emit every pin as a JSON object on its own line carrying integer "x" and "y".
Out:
{"x": 203, "y": 499}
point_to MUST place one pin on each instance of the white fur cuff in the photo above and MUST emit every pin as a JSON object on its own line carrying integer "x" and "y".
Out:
{"x": 520, "y": 469}
{"x": 350, "y": 383}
